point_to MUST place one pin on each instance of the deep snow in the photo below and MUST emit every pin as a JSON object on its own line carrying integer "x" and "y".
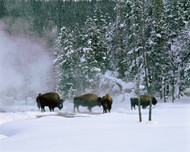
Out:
{"x": 118, "y": 131}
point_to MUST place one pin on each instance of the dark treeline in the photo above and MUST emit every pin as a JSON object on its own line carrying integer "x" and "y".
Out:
{"x": 45, "y": 18}
{"x": 133, "y": 39}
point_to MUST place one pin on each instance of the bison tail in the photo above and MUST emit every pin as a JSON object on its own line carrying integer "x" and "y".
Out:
{"x": 39, "y": 105}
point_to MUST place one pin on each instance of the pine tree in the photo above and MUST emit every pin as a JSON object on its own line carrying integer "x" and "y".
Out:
{"x": 175, "y": 17}
{"x": 181, "y": 58}
{"x": 93, "y": 54}
{"x": 118, "y": 40}
{"x": 159, "y": 49}
{"x": 66, "y": 63}
{"x": 102, "y": 22}
{"x": 96, "y": 44}
{"x": 136, "y": 38}
{"x": 2, "y": 8}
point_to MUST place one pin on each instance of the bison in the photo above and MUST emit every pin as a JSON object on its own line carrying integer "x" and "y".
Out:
{"x": 144, "y": 101}
{"x": 106, "y": 102}
{"x": 134, "y": 101}
{"x": 86, "y": 100}
{"x": 50, "y": 99}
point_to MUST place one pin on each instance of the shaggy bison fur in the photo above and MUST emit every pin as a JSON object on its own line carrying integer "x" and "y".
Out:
{"x": 144, "y": 101}
{"x": 50, "y": 99}
{"x": 106, "y": 102}
{"x": 86, "y": 100}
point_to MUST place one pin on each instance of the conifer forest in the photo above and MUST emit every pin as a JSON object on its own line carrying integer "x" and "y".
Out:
{"x": 98, "y": 45}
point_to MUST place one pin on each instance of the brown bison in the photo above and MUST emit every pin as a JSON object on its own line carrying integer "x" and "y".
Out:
{"x": 50, "y": 99}
{"x": 144, "y": 101}
{"x": 86, "y": 100}
{"x": 106, "y": 102}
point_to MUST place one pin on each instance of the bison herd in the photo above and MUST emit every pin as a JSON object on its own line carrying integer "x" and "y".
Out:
{"x": 52, "y": 100}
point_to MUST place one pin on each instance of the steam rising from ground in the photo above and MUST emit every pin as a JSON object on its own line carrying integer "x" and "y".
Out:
{"x": 25, "y": 68}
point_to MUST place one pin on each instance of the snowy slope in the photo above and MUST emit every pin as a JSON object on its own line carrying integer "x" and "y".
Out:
{"x": 118, "y": 131}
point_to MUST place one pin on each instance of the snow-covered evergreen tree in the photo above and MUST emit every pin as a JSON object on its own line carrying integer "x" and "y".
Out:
{"x": 94, "y": 54}
{"x": 137, "y": 39}
{"x": 96, "y": 45}
{"x": 66, "y": 63}
{"x": 118, "y": 40}
{"x": 159, "y": 48}
{"x": 181, "y": 54}
{"x": 151, "y": 34}
{"x": 175, "y": 16}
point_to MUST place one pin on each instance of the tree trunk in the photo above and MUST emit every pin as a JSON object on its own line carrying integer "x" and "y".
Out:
{"x": 150, "y": 110}
{"x": 173, "y": 90}
{"x": 139, "y": 109}
{"x": 164, "y": 93}
{"x": 150, "y": 84}
{"x": 139, "y": 104}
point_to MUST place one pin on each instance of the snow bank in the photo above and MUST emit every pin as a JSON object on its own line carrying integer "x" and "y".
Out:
{"x": 118, "y": 131}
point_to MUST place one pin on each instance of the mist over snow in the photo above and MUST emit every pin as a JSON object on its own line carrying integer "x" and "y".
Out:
{"x": 25, "y": 68}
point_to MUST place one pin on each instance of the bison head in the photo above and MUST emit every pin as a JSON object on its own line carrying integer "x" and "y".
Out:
{"x": 154, "y": 101}
{"x": 60, "y": 106}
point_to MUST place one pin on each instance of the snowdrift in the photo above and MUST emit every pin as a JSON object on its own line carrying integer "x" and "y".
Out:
{"x": 118, "y": 131}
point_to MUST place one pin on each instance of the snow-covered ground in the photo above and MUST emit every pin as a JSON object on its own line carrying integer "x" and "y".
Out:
{"x": 25, "y": 128}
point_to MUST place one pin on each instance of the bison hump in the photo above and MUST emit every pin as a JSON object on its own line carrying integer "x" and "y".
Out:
{"x": 107, "y": 97}
{"x": 87, "y": 97}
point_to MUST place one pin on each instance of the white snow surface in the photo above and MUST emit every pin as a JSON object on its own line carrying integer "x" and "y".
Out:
{"x": 26, "y": 129}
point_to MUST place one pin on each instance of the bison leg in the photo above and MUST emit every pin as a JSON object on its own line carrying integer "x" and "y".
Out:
{"x": 51, "y": 109}
{"x": 76, "y": 107}
{"x": 144, "y": 106}
{"x": 105, "y": 106}
{"x": 105, "y": 110}
{"x": 133, "y": 107}
{"x": 109, "y": 109}
{"x": 42, "y": 109}
{"x": 90, "y": 109}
